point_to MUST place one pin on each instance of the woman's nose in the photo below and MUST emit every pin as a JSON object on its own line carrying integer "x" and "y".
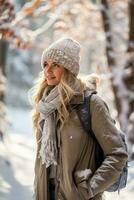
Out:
{"x": 48, "y": 69}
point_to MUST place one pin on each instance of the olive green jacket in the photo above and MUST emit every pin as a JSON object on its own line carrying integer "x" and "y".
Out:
{"x": 76, "y": 174}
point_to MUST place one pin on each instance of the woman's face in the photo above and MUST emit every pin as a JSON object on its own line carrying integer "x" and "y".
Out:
{"x": 53, "y": 72}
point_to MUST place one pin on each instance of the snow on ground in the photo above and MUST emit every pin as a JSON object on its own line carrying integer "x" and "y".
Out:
{"x": 21, "y": 120}
{"x": 17, "y": 162}
{"x": 17, "y": 158}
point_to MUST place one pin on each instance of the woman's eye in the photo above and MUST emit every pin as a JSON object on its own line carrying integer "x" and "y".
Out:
{"x": 44, "y": 65}
{"x": 55, "y": 65}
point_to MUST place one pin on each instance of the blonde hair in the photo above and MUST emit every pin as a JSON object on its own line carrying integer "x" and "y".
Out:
{"x": 68, "y": 87}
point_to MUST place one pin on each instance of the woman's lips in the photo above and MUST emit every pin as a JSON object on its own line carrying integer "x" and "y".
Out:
{"x": 50, "y": 77}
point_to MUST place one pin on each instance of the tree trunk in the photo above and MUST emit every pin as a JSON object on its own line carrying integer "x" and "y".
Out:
{"x": 118, "y": 85}
{"x": 109, "y": 47}
{"x": 3, "y": 57}
{"x": 129, "y": 77}
{"x": 122, "y": 78}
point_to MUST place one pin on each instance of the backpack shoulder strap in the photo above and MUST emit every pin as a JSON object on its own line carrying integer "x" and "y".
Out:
{"x": 83, "y": 111}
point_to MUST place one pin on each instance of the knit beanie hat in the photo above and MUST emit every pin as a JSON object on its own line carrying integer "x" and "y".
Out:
{"x": 65, "y": 52}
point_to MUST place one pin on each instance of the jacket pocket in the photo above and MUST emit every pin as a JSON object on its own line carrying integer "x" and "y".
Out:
{"x": 83, "y": 190}
{"x": 81, "y": 178}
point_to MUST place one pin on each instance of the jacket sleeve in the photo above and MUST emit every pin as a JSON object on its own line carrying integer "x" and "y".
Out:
{"x": 108, "y": 137}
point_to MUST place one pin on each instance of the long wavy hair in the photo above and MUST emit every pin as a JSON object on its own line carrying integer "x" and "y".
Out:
{"x": 68, "y": 87}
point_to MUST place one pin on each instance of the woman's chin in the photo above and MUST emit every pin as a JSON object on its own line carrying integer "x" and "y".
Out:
{"x": 52, "y": 82}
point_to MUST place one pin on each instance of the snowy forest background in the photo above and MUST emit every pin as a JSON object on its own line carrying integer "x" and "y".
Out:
{"x": 105, "y": 30}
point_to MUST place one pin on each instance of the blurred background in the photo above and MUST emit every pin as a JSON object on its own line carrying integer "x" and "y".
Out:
{"x": 105, "y": 30}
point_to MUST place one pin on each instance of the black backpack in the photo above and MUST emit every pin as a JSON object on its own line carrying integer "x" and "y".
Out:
{"x": 83, "y": 111}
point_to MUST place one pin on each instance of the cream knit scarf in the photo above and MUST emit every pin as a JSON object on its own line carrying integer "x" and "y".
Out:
{"x": 47, "y": 106}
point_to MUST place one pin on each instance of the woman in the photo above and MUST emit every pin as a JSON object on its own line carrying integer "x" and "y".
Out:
{"x": 65, "y": 166}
